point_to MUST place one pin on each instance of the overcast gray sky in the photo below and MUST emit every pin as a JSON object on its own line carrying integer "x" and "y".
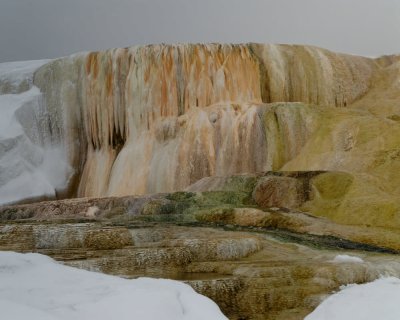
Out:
{"x": 36, "y": 29}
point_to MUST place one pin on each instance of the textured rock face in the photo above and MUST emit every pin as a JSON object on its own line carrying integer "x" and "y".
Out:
{"x": 190, "y": 117}
{"x": 278, "y": 192}
{"x": 159, "y": 118}
{"x": 144, "y": 108}
{"x": 180, "y": 113}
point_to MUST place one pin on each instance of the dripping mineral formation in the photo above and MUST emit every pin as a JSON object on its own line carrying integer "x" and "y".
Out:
{"x": 158, "y": 118}
{"x": 279, "y": 144}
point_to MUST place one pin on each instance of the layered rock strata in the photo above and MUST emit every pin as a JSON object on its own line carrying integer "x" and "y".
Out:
{"x": 255, "y": 261}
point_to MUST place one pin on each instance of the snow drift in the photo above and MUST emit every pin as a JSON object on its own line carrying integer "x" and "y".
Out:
{"x": 35, "y": 287}
{"x": 376, "y": 300}
{"x": 32, "y": 162}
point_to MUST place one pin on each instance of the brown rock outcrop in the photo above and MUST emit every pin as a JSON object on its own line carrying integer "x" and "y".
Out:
{"x": 275, "y": 191}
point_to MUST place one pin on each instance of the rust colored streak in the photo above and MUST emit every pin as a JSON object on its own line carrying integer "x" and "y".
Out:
{"x": 168, "y": 63}
{"x": 109, "y": 83}
{"x": 89, "y": 63}
{"x": 146, "y": 75}
{"x": 164, "y": 96}
{"x": 92, "y": 65}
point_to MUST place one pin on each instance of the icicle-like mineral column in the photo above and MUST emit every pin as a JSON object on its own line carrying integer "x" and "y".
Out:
{"x": 158, "y": 118}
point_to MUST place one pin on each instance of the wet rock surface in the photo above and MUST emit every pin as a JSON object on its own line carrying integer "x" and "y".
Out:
{"x": 251, "y": 275}
{"x": 275, "y": 191}
{"x": 255, "y": 261}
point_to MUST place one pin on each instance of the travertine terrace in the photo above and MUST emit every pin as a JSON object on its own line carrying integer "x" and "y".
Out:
{"x": 242, "y": 169}
{"x": 159, "y": 118}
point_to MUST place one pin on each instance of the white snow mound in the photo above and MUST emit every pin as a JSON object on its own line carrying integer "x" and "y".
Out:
{"x": 372, "y": 301}
{"x": 33, "y": 160}
{"x": 14, "y": 73}
{"x": 35, "y": 287}
{"x": 344, "y": 258}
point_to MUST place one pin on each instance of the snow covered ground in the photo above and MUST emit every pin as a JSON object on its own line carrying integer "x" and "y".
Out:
{"x": 31, "y": 164}
{"x": 378, "y": 300}
{"x": 35, "y": 287}
{"x": 16, "y": 77}
{"x": 344, "y": 258}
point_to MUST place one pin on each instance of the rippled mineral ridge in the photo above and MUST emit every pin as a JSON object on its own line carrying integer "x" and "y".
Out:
{"x": 158, "y": 118}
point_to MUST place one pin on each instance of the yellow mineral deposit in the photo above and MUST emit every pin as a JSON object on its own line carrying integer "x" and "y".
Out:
{"x": 159, "y": 118}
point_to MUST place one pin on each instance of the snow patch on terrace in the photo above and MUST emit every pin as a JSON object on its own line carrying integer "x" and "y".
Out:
{"x": 372, "y": 301}
{"x": 13, "y": 74}
{"x": 9, "y": 104}
{"x": 344, "y": 258}
{"x": 35, "y": 287}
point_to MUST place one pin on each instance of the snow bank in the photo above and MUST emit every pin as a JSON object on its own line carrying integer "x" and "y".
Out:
{"x": 344, "y": 258}
{"x": 30, "y": 171}
{"x": 20, "y": 69}
{"x": 17, "y": 76}
{"x": 371, "y": 301}
{"x": 35, "y": 287}
{"x": 9, "y": 104}
{"x": 32, "y": 163}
